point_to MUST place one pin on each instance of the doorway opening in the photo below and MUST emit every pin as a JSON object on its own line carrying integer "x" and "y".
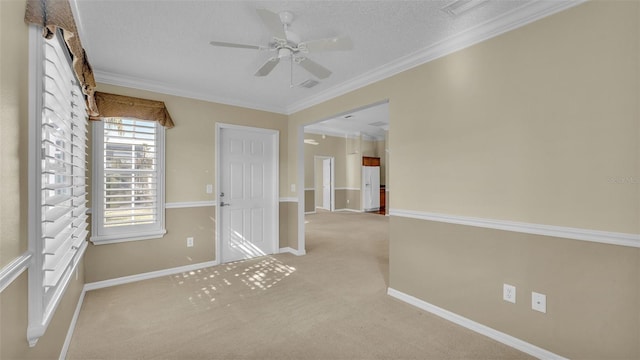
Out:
{"x": 324, "y": 180}
{"x": 348, "y": 138}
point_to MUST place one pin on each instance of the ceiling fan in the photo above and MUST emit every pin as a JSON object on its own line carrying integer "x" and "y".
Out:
{"x": 287, "y": 45}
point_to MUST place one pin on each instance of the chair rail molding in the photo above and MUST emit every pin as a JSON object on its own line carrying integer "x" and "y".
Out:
{"x": 189, "y": 204}
{"x": 12, "y": 270}
{"x": 605, "y": 237}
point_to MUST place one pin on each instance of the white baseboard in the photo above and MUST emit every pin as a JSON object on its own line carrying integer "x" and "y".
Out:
{"x": 310, "y": 212}
{"x": 351, "y": 210}
{"x": 496, "y": 335}
{"x": 292, "y": 251}
{"x": 146, "y": 276}
{"x": 72, "y": 326}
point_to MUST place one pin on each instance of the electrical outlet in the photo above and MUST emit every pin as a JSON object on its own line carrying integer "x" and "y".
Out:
{"x": 539, "y": 302}
{"x": 509, "y": 293}
{"x": 189, "y": 242}
{"x": 347, "y": 201}
{"x": 293, "y": 187}
{"x": 209, "y": 189}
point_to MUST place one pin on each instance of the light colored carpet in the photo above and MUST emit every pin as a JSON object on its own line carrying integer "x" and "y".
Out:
{"x": 329, "y": 304}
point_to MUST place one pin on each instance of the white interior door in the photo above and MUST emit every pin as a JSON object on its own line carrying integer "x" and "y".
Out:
{"x": 247, "y": 212}
{"x": 326, "y": 183}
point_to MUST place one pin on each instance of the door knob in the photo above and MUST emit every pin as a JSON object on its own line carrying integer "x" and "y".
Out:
{"x": 222, "y": 203}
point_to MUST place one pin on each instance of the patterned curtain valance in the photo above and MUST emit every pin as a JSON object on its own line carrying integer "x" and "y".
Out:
{"x": 54, "y": 14}
{"x": 111, "y": 105}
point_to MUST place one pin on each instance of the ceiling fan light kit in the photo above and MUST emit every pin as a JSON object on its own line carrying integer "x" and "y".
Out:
{"x": 288, "y": 46}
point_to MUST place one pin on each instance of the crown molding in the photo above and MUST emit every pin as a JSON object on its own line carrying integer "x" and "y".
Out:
{"x": 514, "y": 19}
{"x": 339, "y": 134}
{"x": 163, "y": 88}
{"x": 509, "y": 21}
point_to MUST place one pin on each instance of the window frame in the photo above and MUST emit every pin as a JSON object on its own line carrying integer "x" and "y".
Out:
{"x": 99, "y": 233}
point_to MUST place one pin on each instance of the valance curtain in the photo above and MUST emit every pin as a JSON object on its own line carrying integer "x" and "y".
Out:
{"x": 54, "y": 14}
{"x": 111, "y": 105}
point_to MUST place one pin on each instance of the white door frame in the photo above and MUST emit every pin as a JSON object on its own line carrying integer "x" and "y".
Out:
{"x": 275, "y": 236}
{"x": 332, "y": 183}
{"x": 299, "y": 186}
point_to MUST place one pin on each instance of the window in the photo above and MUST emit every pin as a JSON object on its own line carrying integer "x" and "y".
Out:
{"x": 57, "y": 188}
{"x": 128, "y": 189}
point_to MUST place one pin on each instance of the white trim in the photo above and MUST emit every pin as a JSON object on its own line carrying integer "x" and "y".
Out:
{"x": 117, "y": 238}
{"x": 348, "y": 188}
{"x": 309, "y": 212}
{"x": 289, "y": 199}
{"x": 605, "y": 237}
{"x": 12, "y": 270}
{"x": 189, "y": 204}
{"x": 300, "y": 187}
{"x": 164, "y": 88}
{"x": 309, "y": 189}
{"x": 496, "y": 335}
{"x": 275, "y": 205}
{"x": 332, "y": 181}
{"x": 506, "y": 22}
{"x": 342, "y": 135}
{"x": 148, "y": 275}
{"x": 351, "y": 210}
{"x": 72, "y": 326}
{"x": 292, "y": 251}
{"x": 514, "y": 19}
{"x": 101, "y": 234}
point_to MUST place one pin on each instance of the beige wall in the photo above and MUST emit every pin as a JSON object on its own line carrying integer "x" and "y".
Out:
{"x": 13, "y": 197}
{"x": 190, "y": 164}
{"x": 592, "y": 289}
{"x": 13, "y": 132}
{"x": 487, "y": 138}
{"x": 539, "y": 125}
{"x": 190, "y": 145}
{"x": 331, "y": 146}
{"x": 348, "y": 169}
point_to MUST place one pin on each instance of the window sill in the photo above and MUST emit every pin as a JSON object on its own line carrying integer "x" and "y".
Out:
{"x": 113, "y": 239}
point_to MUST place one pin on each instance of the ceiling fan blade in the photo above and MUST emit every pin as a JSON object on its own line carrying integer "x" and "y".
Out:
{"x": 266, "y": 68}
{"x": 272, "y": 21}
{"x": 330, "y": 44}
{"x": 235, "y": 45}
{"x": 315, "y": 69}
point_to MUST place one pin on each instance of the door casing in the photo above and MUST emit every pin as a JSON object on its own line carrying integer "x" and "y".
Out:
{"x": 275, "y": 206}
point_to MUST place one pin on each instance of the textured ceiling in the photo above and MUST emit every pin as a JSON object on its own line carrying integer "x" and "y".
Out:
{"x": 164, "y": 46}
{"x": 370, "y": 123}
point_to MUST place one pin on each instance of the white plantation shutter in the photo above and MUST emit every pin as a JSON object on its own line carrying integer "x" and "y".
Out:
{"x": 130, "y": 178}
{"x": 128, "y": 185}
{"x": 58, "y": 220}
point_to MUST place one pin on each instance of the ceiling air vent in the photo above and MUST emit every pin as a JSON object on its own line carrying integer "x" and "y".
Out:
{"x": 309, "y": 83}
{"x": 460, "y": 7}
